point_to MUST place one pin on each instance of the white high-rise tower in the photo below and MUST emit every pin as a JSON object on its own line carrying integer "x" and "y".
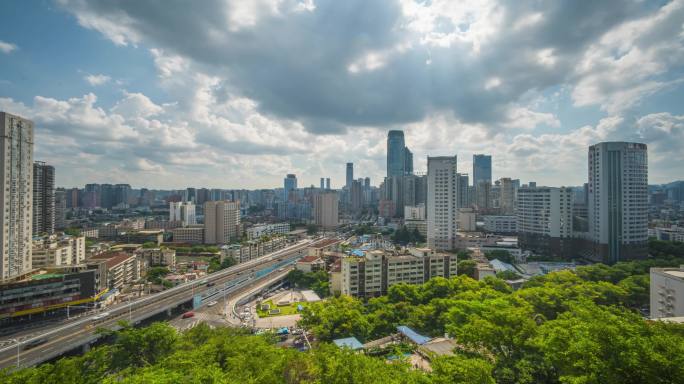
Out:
{"x": 618, "y": 200}
{"x": 442, "y": 202}
{"x": 16, "y": 196}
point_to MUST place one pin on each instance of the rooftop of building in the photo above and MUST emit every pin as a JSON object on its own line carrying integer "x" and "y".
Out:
{"x": 309, "y": 259}
{"x": 440, "y": 346}
{"x": 43, "y": 276}
{"x": 348, "y": 342}
{"x": 677, "y": 273}
{"x": 113, "y": 259}
{"x": 412, "y": 335}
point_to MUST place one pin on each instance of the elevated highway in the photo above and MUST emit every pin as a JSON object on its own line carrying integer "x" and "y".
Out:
{"x": 81, "y": 332}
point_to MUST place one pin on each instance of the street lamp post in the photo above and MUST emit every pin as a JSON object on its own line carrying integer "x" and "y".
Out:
{"x": 225, "y": 305}
{"x": 18, "y": 345}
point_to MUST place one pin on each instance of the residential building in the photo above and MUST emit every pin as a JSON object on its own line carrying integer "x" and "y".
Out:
{"x": 16, "y": 195}
{"x": 122, "y": 268}
{"x": 188, "y": 235}
{"x": 507, "y": 193}
{"x": 483, "y": 195}
{"x": 183, "y": 212}
{"x": 618, "y": 200}
{"x": 545, "y": 220}
{"x": 326, "y": 210}
{"x": 466, "y": 220}
{"x": 60, "y": 209}
{"x": 58, "y": 251}
{"x": 221, "y": 221}
{"x": 673, "y": 233}
{"x": 463, "y": 191}
{"x": 350, "y": 175}
{"x": 43, "y": 198}
{"x": 442, "y": 209}
{"x": 158, "y": 256}
{"x": 414, "y": 212}
{"x": 417, "y": 225}
{"x": 507, "y": 224}
{"x": 253, "y": 249}
{"x": 667, "y": 292}
{"x": 260, "y": 230}
{"x": 310, "y": 264}
{"x": 376, "y": 270}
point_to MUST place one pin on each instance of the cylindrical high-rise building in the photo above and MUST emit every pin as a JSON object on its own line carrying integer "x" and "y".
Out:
{"x": 618, "y": 200}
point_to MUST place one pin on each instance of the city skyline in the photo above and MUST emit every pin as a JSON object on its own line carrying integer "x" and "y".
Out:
{"x": 131, "y": 98}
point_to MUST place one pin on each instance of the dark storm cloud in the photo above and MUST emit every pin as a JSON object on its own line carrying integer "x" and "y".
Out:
{"x": 295, "y": 64}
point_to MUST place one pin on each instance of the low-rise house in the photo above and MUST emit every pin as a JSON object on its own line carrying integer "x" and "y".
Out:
{"x": 310, "y": 264}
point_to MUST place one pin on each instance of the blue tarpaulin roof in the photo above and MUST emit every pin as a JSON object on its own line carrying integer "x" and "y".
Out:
{"x": 358, "y": 252}
{"x": 349, "y": 342}
{"x": 413, "y": 335}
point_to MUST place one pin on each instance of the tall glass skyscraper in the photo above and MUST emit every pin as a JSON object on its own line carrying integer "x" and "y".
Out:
{"x": 350, "y": 175}
{"x": 289, "y": 184}
{"x": 399, "y": 157}
{"x": 482, "y": 169}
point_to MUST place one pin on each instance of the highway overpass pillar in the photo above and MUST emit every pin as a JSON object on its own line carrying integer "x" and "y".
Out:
{"x": 168, "y": 312}
{"x": 86, "y": 347}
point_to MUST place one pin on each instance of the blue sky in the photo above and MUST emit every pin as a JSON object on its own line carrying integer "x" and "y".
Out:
{"x": 236, "y": 94}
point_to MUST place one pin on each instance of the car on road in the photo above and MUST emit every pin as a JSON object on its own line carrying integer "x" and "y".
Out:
{"x": 210, "y": 284}
{"x": 188, "y": 315}
{"x": 35, "y": 343}
{"x": 212, "y": 303}
{"x": 101, "y": 316}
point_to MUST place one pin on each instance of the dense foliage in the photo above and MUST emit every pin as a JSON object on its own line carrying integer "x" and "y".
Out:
{"x": 404, "y": 236}
{"x": 158, "y": 354}
{"x": 565, "y": 327}
{"x": 215, "y": 263}
{"x": 317, "y": 281}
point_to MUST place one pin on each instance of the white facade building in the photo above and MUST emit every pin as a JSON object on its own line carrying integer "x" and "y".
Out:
{"x": 414, "y": 212}
{"x": 373, "y": 273}
{"x": 58, "y": 251}
{"x": 260, "y": 230}
{"x": 618, "y": 200}
{"x": 667, "y": 292}
{"x": 545, "y": 211}
{"x": 16, "y": 196}
{"x": 183, "y": 212}
{"x": 501, "y": 223}
{"x": 442, "y": 202}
